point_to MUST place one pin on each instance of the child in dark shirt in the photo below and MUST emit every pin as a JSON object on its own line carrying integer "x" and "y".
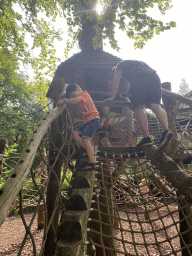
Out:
{"x": 91, "y": 119}
{"x": 144, "y": 92}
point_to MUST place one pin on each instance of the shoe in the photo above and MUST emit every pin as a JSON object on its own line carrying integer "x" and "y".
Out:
{"x": 88, "y": 167}
{"x": 165, "y": 140}
{"x": 144, "y": 141}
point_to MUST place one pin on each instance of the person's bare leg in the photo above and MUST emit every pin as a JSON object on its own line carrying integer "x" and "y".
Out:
{"x": 90, "y": 150}
{"x": 78, "y": 139}
{"x": 161, "y": 115}
{"x": 142, "y": 120}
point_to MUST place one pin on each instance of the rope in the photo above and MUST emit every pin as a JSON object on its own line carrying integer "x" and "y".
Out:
{"x": 25, "y": 114}
{"x": 128, "y": 217}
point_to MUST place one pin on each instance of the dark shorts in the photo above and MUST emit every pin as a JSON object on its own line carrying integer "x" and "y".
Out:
{"x": 145, "y": 89}
{"x": 88, "y": 130}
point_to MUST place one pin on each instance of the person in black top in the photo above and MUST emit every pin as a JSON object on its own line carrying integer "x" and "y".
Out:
{"x": 144, "y": 92}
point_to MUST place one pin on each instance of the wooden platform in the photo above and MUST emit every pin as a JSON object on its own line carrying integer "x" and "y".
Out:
{"x": 110, "y": 151}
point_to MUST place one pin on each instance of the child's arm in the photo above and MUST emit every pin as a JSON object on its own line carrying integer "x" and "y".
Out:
{"x": 69, "y": 101}
{"x": 111, "y": 121}
{"x": 62, "y": 95}
{"x": 73, "y": 100}
{"x": 102, "y": 122}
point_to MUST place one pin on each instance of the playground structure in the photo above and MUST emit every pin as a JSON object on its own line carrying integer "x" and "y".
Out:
{"x": 122, "y": 208}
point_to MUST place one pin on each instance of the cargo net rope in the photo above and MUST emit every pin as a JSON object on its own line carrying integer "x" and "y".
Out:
{"x": 125, "y": 132}
{"x": 135, "y": 203}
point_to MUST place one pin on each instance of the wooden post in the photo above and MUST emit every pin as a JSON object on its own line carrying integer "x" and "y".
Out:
{"x": 180, "y": 180}
{"x": 52, "y": 191}
{"x": 3, "y": 144}
{"x": 41, "y": 209}
{"x": 73, "y": 228}
{"x": 53, "y": 185}
{"x": 18, "y": 176}
{"x": 186, "y": 212}
{"x": 170, "y": 105}
{"x": 185, "y": 226}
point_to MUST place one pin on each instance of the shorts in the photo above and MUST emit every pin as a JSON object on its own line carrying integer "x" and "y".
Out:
{"x": 145, "y": 89}
{"x": 88, "y": 130}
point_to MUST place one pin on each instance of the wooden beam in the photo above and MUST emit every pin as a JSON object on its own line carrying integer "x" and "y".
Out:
{"x": 176, "y": 96}
{"x": 168, "y": 93}
{"x": 168, "y": 168}
{"x": 113, "y": 103}
{"x": 170, "y": 105}
{"x": 73, "y": 229}
{"x": 18, "y": 176}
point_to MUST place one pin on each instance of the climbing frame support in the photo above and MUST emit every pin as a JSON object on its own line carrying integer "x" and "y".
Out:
{"x": 72, "y": 231}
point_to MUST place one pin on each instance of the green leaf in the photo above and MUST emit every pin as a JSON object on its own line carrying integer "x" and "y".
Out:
{"x": 173, "y": 24}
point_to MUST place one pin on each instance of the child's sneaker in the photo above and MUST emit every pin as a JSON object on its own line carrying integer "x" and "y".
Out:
{"x": 144, "y": 141}
{"x": 165, "y": 140}
{"x": 88, "y": 167}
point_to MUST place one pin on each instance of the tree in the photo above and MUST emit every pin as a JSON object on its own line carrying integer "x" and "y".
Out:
{"x": 19, "y": 19}
{"x": 36, "y": 19}
{"x": 129, "y": 15}
{"x": 17, "y": 101}
{"x": 27, "y": 25}
{"x": 183, "y": 88}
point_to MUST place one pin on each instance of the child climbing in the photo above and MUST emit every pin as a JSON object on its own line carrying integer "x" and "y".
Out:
{"x": 109, "y": 118}
{"x": 107, "y": 122}
{"x": 91, "y": 119}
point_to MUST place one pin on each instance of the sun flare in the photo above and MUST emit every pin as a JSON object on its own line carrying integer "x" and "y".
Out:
{"x": 99, "y": 8}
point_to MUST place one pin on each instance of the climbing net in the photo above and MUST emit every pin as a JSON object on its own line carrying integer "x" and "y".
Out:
{"x": 128, "y": 206}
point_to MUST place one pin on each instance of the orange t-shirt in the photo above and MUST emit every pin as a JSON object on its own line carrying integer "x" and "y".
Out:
{"x": 88, "y": 107}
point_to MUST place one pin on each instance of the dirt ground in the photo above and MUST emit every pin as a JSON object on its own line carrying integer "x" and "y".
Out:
{"x": 12, "y": 233}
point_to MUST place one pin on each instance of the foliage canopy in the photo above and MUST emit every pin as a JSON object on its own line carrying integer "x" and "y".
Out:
{"x": 27, "y": 25}
{"x": 129, "y": 15}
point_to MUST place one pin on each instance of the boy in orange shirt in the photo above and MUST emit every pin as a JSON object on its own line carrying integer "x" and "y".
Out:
{"x": 91, "y": 119}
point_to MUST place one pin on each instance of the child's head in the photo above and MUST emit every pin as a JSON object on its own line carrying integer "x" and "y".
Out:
{"x": 105, "y": 110}
{"x": 73, "y": 90}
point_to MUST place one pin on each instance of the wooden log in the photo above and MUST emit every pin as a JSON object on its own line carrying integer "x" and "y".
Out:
{"x": 168, "y": 168}
{"x": 52, "y": 203}
{"x": 3, "y": 144}
{"x": 41, "y": 209}
{"x": 185, "y": 217}
{"x": 170, "y": 105}
{"x": 113, "y": 103}
{"x": 18, "y": 176}
{"x": 166, "y": 92}
{"x": 176, "y": 96}
{"x": 73, "y": 229}
{"x": 41, "y": 217}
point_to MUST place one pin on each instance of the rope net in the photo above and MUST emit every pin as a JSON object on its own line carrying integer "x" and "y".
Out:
{"x": 132, "y": 209}
{"x": 125, "y": 131}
